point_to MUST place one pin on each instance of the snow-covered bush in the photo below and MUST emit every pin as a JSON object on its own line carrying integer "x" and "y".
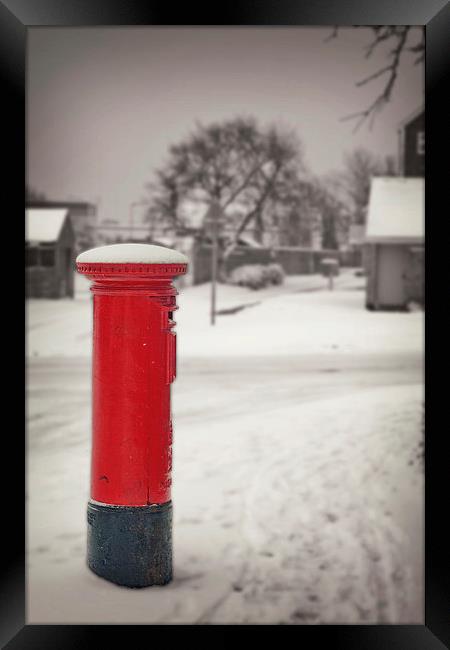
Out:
{"x": 256, "y": 276}
{"x": 249, "y": 275}
{"x": 274, "y": 273}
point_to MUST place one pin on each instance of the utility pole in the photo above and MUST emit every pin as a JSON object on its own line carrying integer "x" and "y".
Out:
{"x": 212, "y": 220}
{"x": 214, "y": 266}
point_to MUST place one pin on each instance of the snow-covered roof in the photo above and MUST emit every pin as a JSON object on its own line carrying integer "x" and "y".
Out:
{"x": 248, "y": 240}
{"x": 396, "y": 210}
{"x": 164, "y": 241}
{"x": 132, "y": 254}
{"x": 44, "y": 225}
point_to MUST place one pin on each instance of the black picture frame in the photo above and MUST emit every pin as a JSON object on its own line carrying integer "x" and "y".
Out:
{"x": 16, "y": 18}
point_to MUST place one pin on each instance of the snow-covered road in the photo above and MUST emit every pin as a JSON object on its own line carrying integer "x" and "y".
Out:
{"x": 298, "y": 477}
{"x": 300, "y": 318}
{"x": 297, "y": 491}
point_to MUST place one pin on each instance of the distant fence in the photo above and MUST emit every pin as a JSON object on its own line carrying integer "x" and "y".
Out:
{"x": 294, "y": 260}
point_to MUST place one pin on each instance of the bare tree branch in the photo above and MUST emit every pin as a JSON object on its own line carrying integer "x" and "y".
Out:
{"x": 331, "y": 36}
{"x": 383, "y": 34}
{"x": 234, "y": 163}
{"x": 375, "y": 75}
{"x": 401, "y": 34}
{"x": 243, "y": 185}
{"x": 250, "y": 215}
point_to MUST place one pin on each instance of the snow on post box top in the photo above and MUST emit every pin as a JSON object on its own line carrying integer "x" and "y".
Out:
{"x": 140, "y": 258}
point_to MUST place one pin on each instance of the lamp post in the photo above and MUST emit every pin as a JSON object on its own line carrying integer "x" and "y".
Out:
{"x": 213, "y": 218}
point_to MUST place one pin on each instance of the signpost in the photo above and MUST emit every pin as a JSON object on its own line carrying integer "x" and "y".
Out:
{"x": 213, "y": 218}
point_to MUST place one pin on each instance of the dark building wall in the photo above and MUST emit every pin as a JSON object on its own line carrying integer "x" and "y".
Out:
{"x": 370, "y": 267}
{"x": 41, "y": 282}
{"x": 415, "y": 276}
{"x": 244, "y": 255}
{"x": 294, "y": 261}
{"x": 411, "y": 273}
{"x": 65, "y": 259}
{"x": 414, "y": 147}
{"x": 57, "y": 280}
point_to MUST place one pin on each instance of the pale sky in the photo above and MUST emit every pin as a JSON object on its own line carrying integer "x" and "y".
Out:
{"x": 104, "y": 104}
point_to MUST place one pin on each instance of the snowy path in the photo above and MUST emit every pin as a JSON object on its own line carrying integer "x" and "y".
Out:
{"x": 297, "y": 319}
{"x": 309, "y": 479}
{"x": 322, "y": 543}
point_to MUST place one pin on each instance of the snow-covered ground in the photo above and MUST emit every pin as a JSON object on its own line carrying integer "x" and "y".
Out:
{"x": 301, "y": 317}
{"x": 298, "y": 479}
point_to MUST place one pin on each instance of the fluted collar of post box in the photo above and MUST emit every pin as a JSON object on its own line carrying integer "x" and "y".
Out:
{"x": 131, "y": 254}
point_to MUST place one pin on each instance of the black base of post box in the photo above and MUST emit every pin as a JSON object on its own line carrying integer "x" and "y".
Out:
{"x": 130, "y": 545}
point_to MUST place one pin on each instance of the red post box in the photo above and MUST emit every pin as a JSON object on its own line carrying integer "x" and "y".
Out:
{"x": 134, "y": 349}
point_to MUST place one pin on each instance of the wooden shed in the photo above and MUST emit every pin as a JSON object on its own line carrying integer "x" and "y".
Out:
{"x": 49, "y": 253}
{"x": 394, "y": 243}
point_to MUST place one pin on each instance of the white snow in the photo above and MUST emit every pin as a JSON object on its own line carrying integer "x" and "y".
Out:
{"x": 296, "y": 323}
{"x": 288, "y": 507}
{"x": 132, "y": 254}
{"x": 396, "y": 209}
{"x": 44, "y": 225}
{"x": 300, "y": 317}
{"x": 297, "y": 477}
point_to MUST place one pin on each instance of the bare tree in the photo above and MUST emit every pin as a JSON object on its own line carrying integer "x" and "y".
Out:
{"x": 399, "y": 41}
{"x": 235, "y": 164}
{"x": 354, "y": 182}
{"x": 311, "y": 203}
{"x": 332, "y": 211}
{"x": 296, "y": 210}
